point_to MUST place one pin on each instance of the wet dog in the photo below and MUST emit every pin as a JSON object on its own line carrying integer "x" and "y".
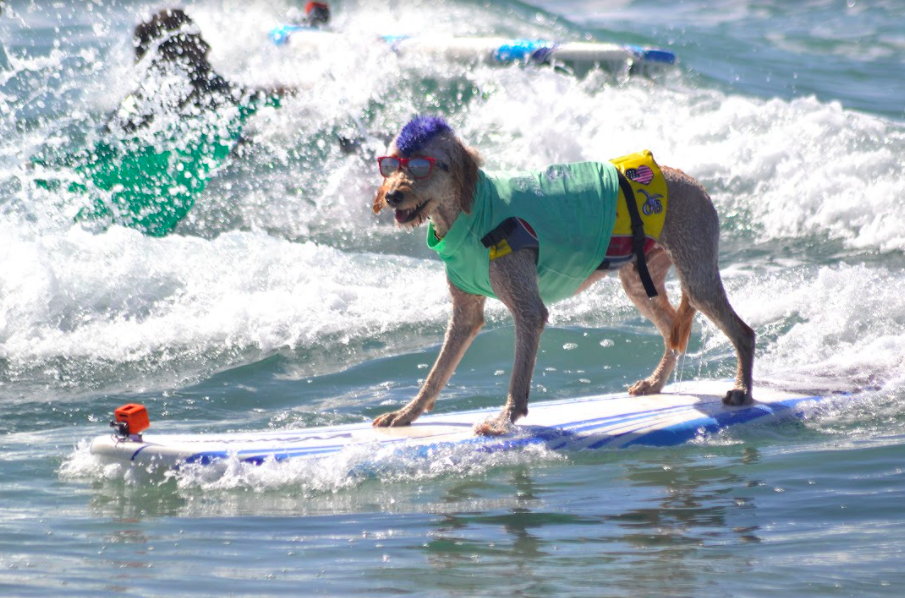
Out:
{"x": 430, "y": 175}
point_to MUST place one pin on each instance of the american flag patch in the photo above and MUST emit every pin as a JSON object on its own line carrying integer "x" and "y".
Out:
{"x": 642, "y": 174}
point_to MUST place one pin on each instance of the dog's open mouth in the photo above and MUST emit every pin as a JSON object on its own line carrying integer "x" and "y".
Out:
{"x": 406, "y": 216}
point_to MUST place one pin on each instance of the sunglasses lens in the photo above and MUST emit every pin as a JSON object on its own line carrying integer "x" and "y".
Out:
{"x": 388, "y": 166}
{"x": 419, "y": 167}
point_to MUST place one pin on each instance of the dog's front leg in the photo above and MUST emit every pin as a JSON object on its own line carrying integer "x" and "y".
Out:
{"x": 464, "y": 324}
{"x": 514, "y": 281}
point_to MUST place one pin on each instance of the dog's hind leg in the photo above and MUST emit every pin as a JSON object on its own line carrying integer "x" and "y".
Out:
{"x": 691, "y": 236}
{"x": 513, "y": 278}
{"x": 658, "y": 310}
{"x": 709, "y": 297}
{"x": 464, "y": 324}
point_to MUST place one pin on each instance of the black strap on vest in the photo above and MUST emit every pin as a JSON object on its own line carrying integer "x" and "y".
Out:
{"x": 500, "y": 233}
{"x": 516, "y": 233}
{"x": 637, "y": 235}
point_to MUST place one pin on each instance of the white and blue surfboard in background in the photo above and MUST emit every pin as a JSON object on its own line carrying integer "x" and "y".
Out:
{"x": 580, "y": 56}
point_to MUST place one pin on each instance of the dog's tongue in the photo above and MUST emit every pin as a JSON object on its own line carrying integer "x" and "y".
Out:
{"x": 403, "y": 215}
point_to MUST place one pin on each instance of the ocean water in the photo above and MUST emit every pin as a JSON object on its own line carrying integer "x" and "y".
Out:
{"x": 282, "y": 302}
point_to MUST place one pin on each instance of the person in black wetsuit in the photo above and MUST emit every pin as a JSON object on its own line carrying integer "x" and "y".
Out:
{"x": 172, "y": 44}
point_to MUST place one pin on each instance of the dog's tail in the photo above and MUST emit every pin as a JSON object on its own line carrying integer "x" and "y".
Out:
{"x": 681, "y": 325}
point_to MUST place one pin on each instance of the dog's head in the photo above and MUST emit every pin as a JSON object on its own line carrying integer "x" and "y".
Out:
{"x": 439, "y": 187}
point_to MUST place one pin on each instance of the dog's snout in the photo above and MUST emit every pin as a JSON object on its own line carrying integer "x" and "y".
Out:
{"x": 394, "y": 198}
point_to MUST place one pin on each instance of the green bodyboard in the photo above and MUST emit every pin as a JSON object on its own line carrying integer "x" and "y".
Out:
{"x": 145, "y": 187}
{"x": 149, "y": 182}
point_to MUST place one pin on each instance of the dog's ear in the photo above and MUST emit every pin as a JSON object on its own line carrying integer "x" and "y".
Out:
{"x": 465, "y": 173}
{"x": 379, "y": 199}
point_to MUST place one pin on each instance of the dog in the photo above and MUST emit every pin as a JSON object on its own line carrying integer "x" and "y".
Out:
{"x": 430, "y": 175}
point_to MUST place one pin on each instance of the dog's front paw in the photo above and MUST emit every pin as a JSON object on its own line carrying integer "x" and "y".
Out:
{"x": 394, "y": 419}
{"x": 645, "y": 387}
{"x": 499, "y": 425}
{"x": 737, "y": 397}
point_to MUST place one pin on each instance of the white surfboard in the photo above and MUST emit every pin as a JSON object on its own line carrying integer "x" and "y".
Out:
{"x": 487, "y": 50}
{"x": 681, "y": 413}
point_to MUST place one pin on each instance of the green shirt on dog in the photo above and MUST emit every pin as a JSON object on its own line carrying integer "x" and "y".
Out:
{"x": 571, "y": 209}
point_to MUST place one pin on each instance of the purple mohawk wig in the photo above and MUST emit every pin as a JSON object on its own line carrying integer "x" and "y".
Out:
{"x": 419, "y": 131}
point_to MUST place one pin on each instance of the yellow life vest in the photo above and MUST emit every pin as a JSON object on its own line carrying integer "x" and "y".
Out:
{"x": 651, "y": 195}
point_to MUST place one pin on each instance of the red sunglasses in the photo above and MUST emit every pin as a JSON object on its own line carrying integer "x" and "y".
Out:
{"x": 419, "y": 168}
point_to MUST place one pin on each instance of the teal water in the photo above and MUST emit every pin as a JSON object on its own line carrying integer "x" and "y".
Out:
{"x": 282, "y": 301}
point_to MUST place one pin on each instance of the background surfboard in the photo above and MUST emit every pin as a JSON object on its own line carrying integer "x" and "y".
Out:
{"x": 580, "y": 56}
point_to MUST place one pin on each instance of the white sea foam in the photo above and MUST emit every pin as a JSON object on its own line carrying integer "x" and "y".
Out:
{"x": 848, "y": 328}
{"x": 120, "y": 297}
{"x": 799, "y": 170}
{"x": 799, "y": 167}
{"x": 344, "y": 470}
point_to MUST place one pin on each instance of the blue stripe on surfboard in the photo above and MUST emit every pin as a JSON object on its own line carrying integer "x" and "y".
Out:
{"x": 592, "y": 424}
{"x": 653, "y": 54}
{"x": 684, "y": 431}
{"x": 135, "y": 454}
{"x": 282, "y": 453}
{"x": 258, "y": 456}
